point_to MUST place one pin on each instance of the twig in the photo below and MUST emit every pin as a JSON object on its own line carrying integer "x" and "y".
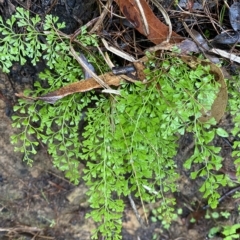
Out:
{"x": 143, "y": 17}
{"x": 102, "y": 17}
{"x": 118, "y": 52}
{"x": 223, "y": 53}
{"x": 87, "y": 69}
{"x": 135, "y": 210}
{"x": 79, "y": 30}
{"x": 224, "y": 196}
{"x": 166, "y": 17}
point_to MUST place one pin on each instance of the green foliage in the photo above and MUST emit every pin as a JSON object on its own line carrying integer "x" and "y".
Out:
{"x": 16, "y": 47}
{"x": 222, "y": 14}
{"x": 56, "y": 126}
{"x": 230, "y": 232}
{"x": 216, "y": 215}
{"x": 130, "y": 140}
{"x": 234, "y": 108}
{"x": 159, "y": 216}
{"x": 213, "y": 231}
{"x": 33, "y": 44}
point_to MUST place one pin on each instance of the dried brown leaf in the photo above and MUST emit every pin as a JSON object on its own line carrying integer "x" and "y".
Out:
{"x": 158, "y": 31}
{"x": 81, "y": 86}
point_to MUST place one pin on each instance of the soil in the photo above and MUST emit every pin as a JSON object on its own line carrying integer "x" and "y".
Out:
{"x": 37, "y": 202}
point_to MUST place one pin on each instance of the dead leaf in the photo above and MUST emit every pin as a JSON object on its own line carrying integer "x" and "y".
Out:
{"x": 234, "y": 15}
{"x": 220, "y": 103}
{"x": 158, "y": 31}
{"x": 81, "y": 86}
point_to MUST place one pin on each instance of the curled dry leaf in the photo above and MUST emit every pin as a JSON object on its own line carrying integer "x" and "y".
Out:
{"x": 227, "y": 38}
{"x": 158, "y": 31}
{"x": 234, "y": 15}
{"x": 220, "y": 103}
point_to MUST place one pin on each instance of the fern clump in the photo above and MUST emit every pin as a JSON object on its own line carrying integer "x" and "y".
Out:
{"x": 129, "y": 141}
